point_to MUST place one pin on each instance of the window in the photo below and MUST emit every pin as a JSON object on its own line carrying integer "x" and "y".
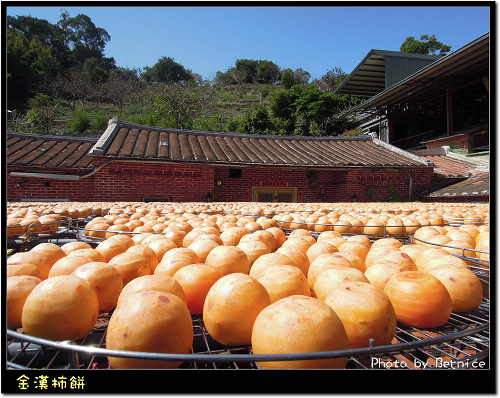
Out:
{"x": 311, "y": 174}
{"x": 235, "y": 173}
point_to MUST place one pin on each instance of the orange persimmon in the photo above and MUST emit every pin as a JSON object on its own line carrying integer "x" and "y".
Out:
{"x": 196, "y": 280}
{"x": 419, "y": 299}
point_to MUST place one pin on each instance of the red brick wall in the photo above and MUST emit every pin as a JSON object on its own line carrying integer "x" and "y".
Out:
{"x": 120, "y": 181}
{"x": 131, "y": 181}
{"x": 76, "y": 191}
{"x": 460, "y": 142}
{"x": 329, "y": 186}
{"x": 360, "y": 181}
{"x": 308, "y": 190}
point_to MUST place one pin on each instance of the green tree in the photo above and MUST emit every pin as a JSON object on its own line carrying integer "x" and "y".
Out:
{"x": 283, "y": 107}
{"x": 258, "y": 122}
{"x": 291, "y": 78}
{"x": 268, "y": 72}
{"x": 84, "y": 39}
{"x": 426, "y": 45}
{"x": 19, "y": 77}
{"x": 308, "y": 111}
{"x": 81, "y": 122}
{"x": 38, "y": 51}
{"x": 249, "y": 67}
{"x": 32, "y": 27}
{"x": 47, "y": 33}
{"x": 314, "y": 107}
{"x": 177, "y": 106}
{"x": 41, "y": 113}
{"x": 249, "y": 71}
{"x": 287, "y": 78}
{"x": 95, "y": 70}
{"x": 30, "y": 66}
{"x": 166, "y": 70}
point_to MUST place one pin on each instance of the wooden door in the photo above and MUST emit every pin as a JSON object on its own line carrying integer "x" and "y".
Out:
{"x": 274, "y": 195}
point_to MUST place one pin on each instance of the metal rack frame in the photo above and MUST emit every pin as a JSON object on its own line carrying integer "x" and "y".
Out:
{"x": 62, "y": 227}
{"x": 463, "y": 342}
{"x": 404, "y": 237}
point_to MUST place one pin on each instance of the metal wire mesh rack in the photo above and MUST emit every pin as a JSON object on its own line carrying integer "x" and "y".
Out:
{"x": 479, "y": 266}
{"x": 463, "y": 342}
{"x": 40, "y": 230}
{"x": 458, "y": 221}
{"x": 384, "y": 231}
{"x": 95, "y": 236}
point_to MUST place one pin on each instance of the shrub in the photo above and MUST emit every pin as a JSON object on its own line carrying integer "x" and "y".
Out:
{"x": 41, "y": 113}
{"x": 81, "y": 122}
{"x": 99, "y": 121}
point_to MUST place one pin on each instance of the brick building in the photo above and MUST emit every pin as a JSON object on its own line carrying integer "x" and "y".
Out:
{"x": 423, "y": 102}
{"x": 132, "y": 162}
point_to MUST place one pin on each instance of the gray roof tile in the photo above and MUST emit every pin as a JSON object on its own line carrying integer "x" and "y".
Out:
{"x": 129, "y": 140}
{"x": 48, "y": 151}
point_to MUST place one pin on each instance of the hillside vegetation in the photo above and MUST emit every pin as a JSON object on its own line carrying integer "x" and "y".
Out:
{"x": 59, "y": 81}
{"x": 249, "y": 108}
{"x": 218, "y": 106}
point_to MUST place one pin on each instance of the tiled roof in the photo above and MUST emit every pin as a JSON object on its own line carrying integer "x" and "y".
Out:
{"x": 450, "y": 165}
{"x": 477, "y": 185}
{"x": 132, "y": 141}
{"x": 48, "y": 151}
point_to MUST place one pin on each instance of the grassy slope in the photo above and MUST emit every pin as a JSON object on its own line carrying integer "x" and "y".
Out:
{"x": 226, "y": 102}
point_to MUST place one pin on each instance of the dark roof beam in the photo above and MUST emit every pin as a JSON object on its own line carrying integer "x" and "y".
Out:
{"x": 366, "y": 82}
{"x": 370, "y": 69}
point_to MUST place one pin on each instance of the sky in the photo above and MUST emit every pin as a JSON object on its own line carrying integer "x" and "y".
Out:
{"x": 207, "y": 39}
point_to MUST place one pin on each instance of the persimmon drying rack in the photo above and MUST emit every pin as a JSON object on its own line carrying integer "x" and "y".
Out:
{"x": 463, "y": 342}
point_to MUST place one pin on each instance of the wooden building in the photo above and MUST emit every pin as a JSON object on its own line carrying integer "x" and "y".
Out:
{"x": 445, "y": 102}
